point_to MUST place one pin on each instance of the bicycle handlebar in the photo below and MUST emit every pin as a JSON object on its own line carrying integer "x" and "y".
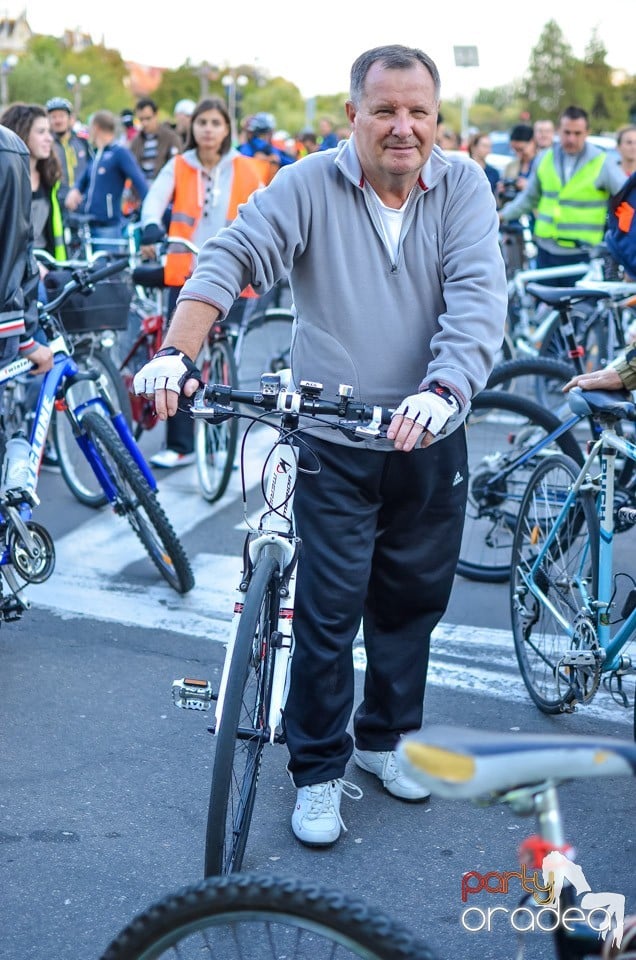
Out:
{"x": 212, "y": 402}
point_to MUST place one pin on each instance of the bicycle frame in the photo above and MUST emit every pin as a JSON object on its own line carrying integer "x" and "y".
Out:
{"x": 607, "y": 445}
{"x": 276, "y": 530}
{"x": 63, "y": 372}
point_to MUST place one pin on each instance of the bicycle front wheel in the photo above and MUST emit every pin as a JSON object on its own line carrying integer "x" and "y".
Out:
{"x": 138, "y": 503}
{"x": 215, "y": 443}
{"x": 568, "y": 572}
{"x": 242, "y": 731}
{"x": 507, "y": 436}
{"x": 77, "y": 472}
{"x": 264, "y": 918}
{"x": 264, "y": 347}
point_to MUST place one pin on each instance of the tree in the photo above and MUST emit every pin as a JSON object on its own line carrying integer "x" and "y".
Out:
{"x": 549, "y": 81}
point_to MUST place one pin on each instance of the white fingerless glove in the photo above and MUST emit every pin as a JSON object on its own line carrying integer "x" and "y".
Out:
{"x": 168, "y": 370}
{"x": 431, "y": 408}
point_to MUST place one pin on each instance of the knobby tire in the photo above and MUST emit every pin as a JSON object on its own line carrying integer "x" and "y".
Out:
{"x": 264, "y": 917}
{"x": 138, "y": 503}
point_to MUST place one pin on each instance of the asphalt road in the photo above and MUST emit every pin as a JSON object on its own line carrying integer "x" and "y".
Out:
{"x": 104, "y": 784}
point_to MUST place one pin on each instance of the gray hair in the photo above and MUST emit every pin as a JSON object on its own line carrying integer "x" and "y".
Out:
{"x": 394, "y": 57}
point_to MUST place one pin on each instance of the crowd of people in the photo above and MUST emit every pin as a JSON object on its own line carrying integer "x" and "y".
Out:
{"x": 107, "y": 170}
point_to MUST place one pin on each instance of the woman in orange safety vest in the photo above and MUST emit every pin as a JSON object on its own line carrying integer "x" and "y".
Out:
{"x": 204, "y": 186}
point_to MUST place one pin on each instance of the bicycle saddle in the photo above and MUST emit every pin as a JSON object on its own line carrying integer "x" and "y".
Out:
{"x": 613, "y": 403}
{"x": 149, "y": 274}
{"x": 563, "y": 296}
{"x": 463, "y": 764}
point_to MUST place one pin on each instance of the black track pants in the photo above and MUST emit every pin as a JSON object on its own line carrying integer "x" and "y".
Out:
{"x": 381, "y": 536}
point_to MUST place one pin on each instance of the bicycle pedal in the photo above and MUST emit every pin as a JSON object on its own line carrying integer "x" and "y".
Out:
{"x": 192, "y": 694}
{"x": 11, "y": 609}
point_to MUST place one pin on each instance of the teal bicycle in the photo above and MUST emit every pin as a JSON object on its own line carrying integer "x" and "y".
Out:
{"x": 573, "y": 610}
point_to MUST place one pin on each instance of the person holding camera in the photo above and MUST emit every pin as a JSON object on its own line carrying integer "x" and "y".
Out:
{"x": 514, "y": 180}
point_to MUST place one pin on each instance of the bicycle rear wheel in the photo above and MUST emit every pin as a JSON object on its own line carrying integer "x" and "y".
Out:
{"x": 264, "y": 346}
{"x": 264, "y": 918}
{"x": 540, "y": 639}
{"x": 242, "y": 731}
{"x": 505, "y": 433}
{"x": 138, "y": 503}
{"x": 215, "y": 443}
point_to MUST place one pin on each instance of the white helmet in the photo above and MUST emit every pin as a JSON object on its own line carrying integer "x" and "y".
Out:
{"x": 185, "y": 106}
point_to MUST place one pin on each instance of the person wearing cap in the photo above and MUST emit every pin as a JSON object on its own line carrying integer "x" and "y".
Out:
{"x": 100, "y": 189}
{"x": 183, "y": 111}
{"x": 72, "y": 151}
{"x": 127, "y": 118}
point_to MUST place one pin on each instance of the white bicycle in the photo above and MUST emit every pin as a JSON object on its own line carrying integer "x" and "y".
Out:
{"x": 251, "y": 696}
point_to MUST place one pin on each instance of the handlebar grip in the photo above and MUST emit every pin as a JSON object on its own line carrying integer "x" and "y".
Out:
{"x": 114, "y": 266}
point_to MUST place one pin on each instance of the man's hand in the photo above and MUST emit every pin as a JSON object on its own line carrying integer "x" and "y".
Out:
{"x": 421, "y": 415}
{"x": 73, "y": 199}
{"x": 41, "y": 358}
{"x": 169, "y": 373}
{"x": 606, "y": 379}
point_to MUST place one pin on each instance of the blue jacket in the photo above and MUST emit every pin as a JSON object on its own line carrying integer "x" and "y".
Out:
{"x": 102, "y": 183}
{"x": 257, "y": 145}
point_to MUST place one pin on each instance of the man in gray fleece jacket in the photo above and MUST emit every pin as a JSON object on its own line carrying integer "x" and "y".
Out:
{"x": 399, "y": 288}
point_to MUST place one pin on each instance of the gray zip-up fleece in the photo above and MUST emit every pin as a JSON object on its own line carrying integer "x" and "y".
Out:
{"x": 387, "y": 328}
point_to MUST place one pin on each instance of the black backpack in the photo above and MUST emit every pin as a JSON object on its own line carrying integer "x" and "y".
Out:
{"x": 620, "y": 236}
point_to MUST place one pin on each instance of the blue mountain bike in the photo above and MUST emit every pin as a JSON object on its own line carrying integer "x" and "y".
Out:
{"x": 103, "y": 436}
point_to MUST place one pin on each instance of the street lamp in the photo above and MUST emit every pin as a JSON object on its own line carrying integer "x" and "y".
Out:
{"x": 231, "y": 82}
{"x": 205, "y": 73}
{"x": 75, "y": 84}
{"x": 6, "y": 67}
{"x": 465, "y": 57}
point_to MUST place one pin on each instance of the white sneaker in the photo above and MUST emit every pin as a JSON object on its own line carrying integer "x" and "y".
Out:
{"x": 384, "y": 766}
{"x": 316, "y": 819}
{"x": 167, "y": 459}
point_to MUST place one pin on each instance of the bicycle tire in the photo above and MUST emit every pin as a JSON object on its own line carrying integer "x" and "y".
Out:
{"x": 590, "y": 333}
{"x": 539, "y": 640}
{"x": 502, "y": 428}
{"x": 137, "y": 502}
{"x": 76, "y": 471}
{"x": 237, "y": 758}
{"x": 264, "y": 346}
{"x": 215, "y": 443}
{"x": 539, "y": 378}
{"x": 266, "y": 917}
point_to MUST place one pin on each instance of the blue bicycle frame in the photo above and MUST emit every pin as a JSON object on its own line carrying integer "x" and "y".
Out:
{"x": 65, "y": 370}
{"x": 598, "y": 607}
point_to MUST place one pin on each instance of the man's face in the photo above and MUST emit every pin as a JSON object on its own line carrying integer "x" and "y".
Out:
{"x": 395, "y": 123}
{"x": 572, "y": 135}
{"x": 60, "y": 121}
{"x": 148, "y": 120}
{"x": 543, "y": 134}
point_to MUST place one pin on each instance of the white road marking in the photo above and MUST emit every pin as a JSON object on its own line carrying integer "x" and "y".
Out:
{"x": 477, "y": 660}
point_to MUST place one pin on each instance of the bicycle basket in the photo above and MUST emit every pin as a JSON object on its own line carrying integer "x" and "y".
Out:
{"x": 104, "y": 308}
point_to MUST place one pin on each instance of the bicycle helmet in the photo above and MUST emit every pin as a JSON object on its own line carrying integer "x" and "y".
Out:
{"x": 261, "y": 123}
{"x": 58, "y": 103}
{"x": 185, "y": 106}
